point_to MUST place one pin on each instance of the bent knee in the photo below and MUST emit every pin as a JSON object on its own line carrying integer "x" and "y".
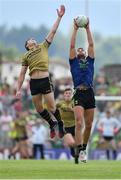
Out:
{"x": 79, "y": 125}
{"x": 51, "y": 108}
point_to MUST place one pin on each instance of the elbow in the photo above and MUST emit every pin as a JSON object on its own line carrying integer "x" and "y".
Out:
{"x": 22, "y": 77}
{"x": 91, "y": 44}
{"x": 72, "y": 46}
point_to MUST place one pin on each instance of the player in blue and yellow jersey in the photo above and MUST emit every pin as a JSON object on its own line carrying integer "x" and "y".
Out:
{"x": 82, "y": 70}
{"x": 37, "y": 60}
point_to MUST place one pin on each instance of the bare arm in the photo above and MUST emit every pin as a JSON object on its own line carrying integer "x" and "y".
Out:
{"x": 52, "y": 33}
{"x": 21, "y": 80}
{"x": 90, "y": 41}
{"x": 73, "y": 42}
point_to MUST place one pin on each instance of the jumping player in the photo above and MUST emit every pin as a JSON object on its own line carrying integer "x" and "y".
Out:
{"x": 82, "y": 70}
{"x": 36, "y": 58}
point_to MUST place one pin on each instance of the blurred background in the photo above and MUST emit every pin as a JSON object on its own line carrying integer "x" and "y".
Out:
{"x": 22, "y": 19}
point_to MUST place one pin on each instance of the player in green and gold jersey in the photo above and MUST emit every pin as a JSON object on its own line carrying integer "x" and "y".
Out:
{"x": 66, "y": 110}
{"x": 36, "y": 59}
{"x": 19, "y": 135}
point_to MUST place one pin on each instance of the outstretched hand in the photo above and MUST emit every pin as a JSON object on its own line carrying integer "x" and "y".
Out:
{"x": 75, "y": 25}
{"x": 61, "y": 11}
{"x": 87, "y": 26}
{"x": 18, "y": 94}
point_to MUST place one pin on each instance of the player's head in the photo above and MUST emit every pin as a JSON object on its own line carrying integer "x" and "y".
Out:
{"x": 30, "y": 43}
{"x": 81, "y": 53}
{"x": 108, "y": 113}
{"x": 67, "y": 94}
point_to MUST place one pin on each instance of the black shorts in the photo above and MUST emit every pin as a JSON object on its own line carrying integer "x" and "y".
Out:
{"x": 84, "y": 98}
{"x": 108, "y": 138}
{"x": 18, "y": 139}
{"x": 70, "y": 130}
{"x": 41, "y": 86}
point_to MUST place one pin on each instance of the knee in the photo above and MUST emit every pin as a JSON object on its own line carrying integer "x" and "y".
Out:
{"x": 39, "y": 109}
{"x": 38, "y": 106}
{"x": 52, "y": 108}
{"x": 79, "y": 123}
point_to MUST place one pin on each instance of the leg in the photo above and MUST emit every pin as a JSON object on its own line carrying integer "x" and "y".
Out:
{"x": 70, "y": 135}
{"x": 114, "y": 147}
{"x": 79, "y": 122}
{"x": 50, "y": 102}
{"x": 34, "y": 151}
{"x": 88, "y": 115}
{"x": 49, "y": 98}
{"x": 24, "y": 149}
{"x": 14, "y": 150}
{"x": 69, "y": 140}
{"x": 42, "y": 151}
{"x": 108, "y": 153}
{"x": 37, "y": 100}
{"x": 79, "y": 125}
{"x": 107, "y": 148}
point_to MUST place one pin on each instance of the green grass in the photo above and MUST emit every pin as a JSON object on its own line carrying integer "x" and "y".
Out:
{"x": 59, "y": 169}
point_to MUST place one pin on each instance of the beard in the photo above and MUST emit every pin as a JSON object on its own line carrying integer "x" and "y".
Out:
{"x": 81, "y": 56}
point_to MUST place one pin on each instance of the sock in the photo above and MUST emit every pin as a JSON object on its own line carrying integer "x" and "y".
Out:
{"x": 76, "y": 151}
{"x": 80, "y": 147}
{"x": 60, "y": 122}
{"x": 84, "y": 146}
{"x": 57, "y": 115}
{"x": 45, "y": 115}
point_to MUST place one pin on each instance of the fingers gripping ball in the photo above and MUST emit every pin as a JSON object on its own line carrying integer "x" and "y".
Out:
{"x": 81, "y": 21}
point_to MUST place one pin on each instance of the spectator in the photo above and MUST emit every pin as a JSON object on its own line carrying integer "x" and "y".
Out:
{"x": 5, "y": 121}
{"x": 109, "y": 126}
{"x": 39, "y": 138}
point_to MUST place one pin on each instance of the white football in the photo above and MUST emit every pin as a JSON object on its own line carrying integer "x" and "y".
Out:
{"x": 81, "y": 21}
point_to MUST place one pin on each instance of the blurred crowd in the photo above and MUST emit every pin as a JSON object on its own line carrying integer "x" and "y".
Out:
{"x": 22, "y": 130}
{"x": 106, "y": 87}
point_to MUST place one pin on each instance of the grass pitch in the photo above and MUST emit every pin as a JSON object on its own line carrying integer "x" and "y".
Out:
{"x": 59, "y": 169}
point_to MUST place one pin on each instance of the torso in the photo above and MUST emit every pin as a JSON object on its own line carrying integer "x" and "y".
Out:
{"x": 37, "y": 61}
{"x": 67, "y": 116}
{"x": 37, "y": 74}
{"x": 108, "y": 126}
{"x": 82, "y": 71}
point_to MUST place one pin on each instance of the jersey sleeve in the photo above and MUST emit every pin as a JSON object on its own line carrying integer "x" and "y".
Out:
{"x": 73, "y": 61}
{"x": 58, "y": 105}
{"x": 46, "y": 43}
{"x": 90, "y": 59}
{"x": 24, "y": 61}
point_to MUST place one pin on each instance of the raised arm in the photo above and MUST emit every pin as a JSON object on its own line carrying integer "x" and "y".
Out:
{"x": 90, "y": 41}
{"x": 52, "y": 33}
{"x": 20, "y": 81}
{"x": 73, "y": 42}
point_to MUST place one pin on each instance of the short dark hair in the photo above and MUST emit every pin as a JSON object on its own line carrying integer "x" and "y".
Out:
{"x": 80, "y": 48}
{"x": 26, "y": 44}
{"x": 67, "y": 89}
